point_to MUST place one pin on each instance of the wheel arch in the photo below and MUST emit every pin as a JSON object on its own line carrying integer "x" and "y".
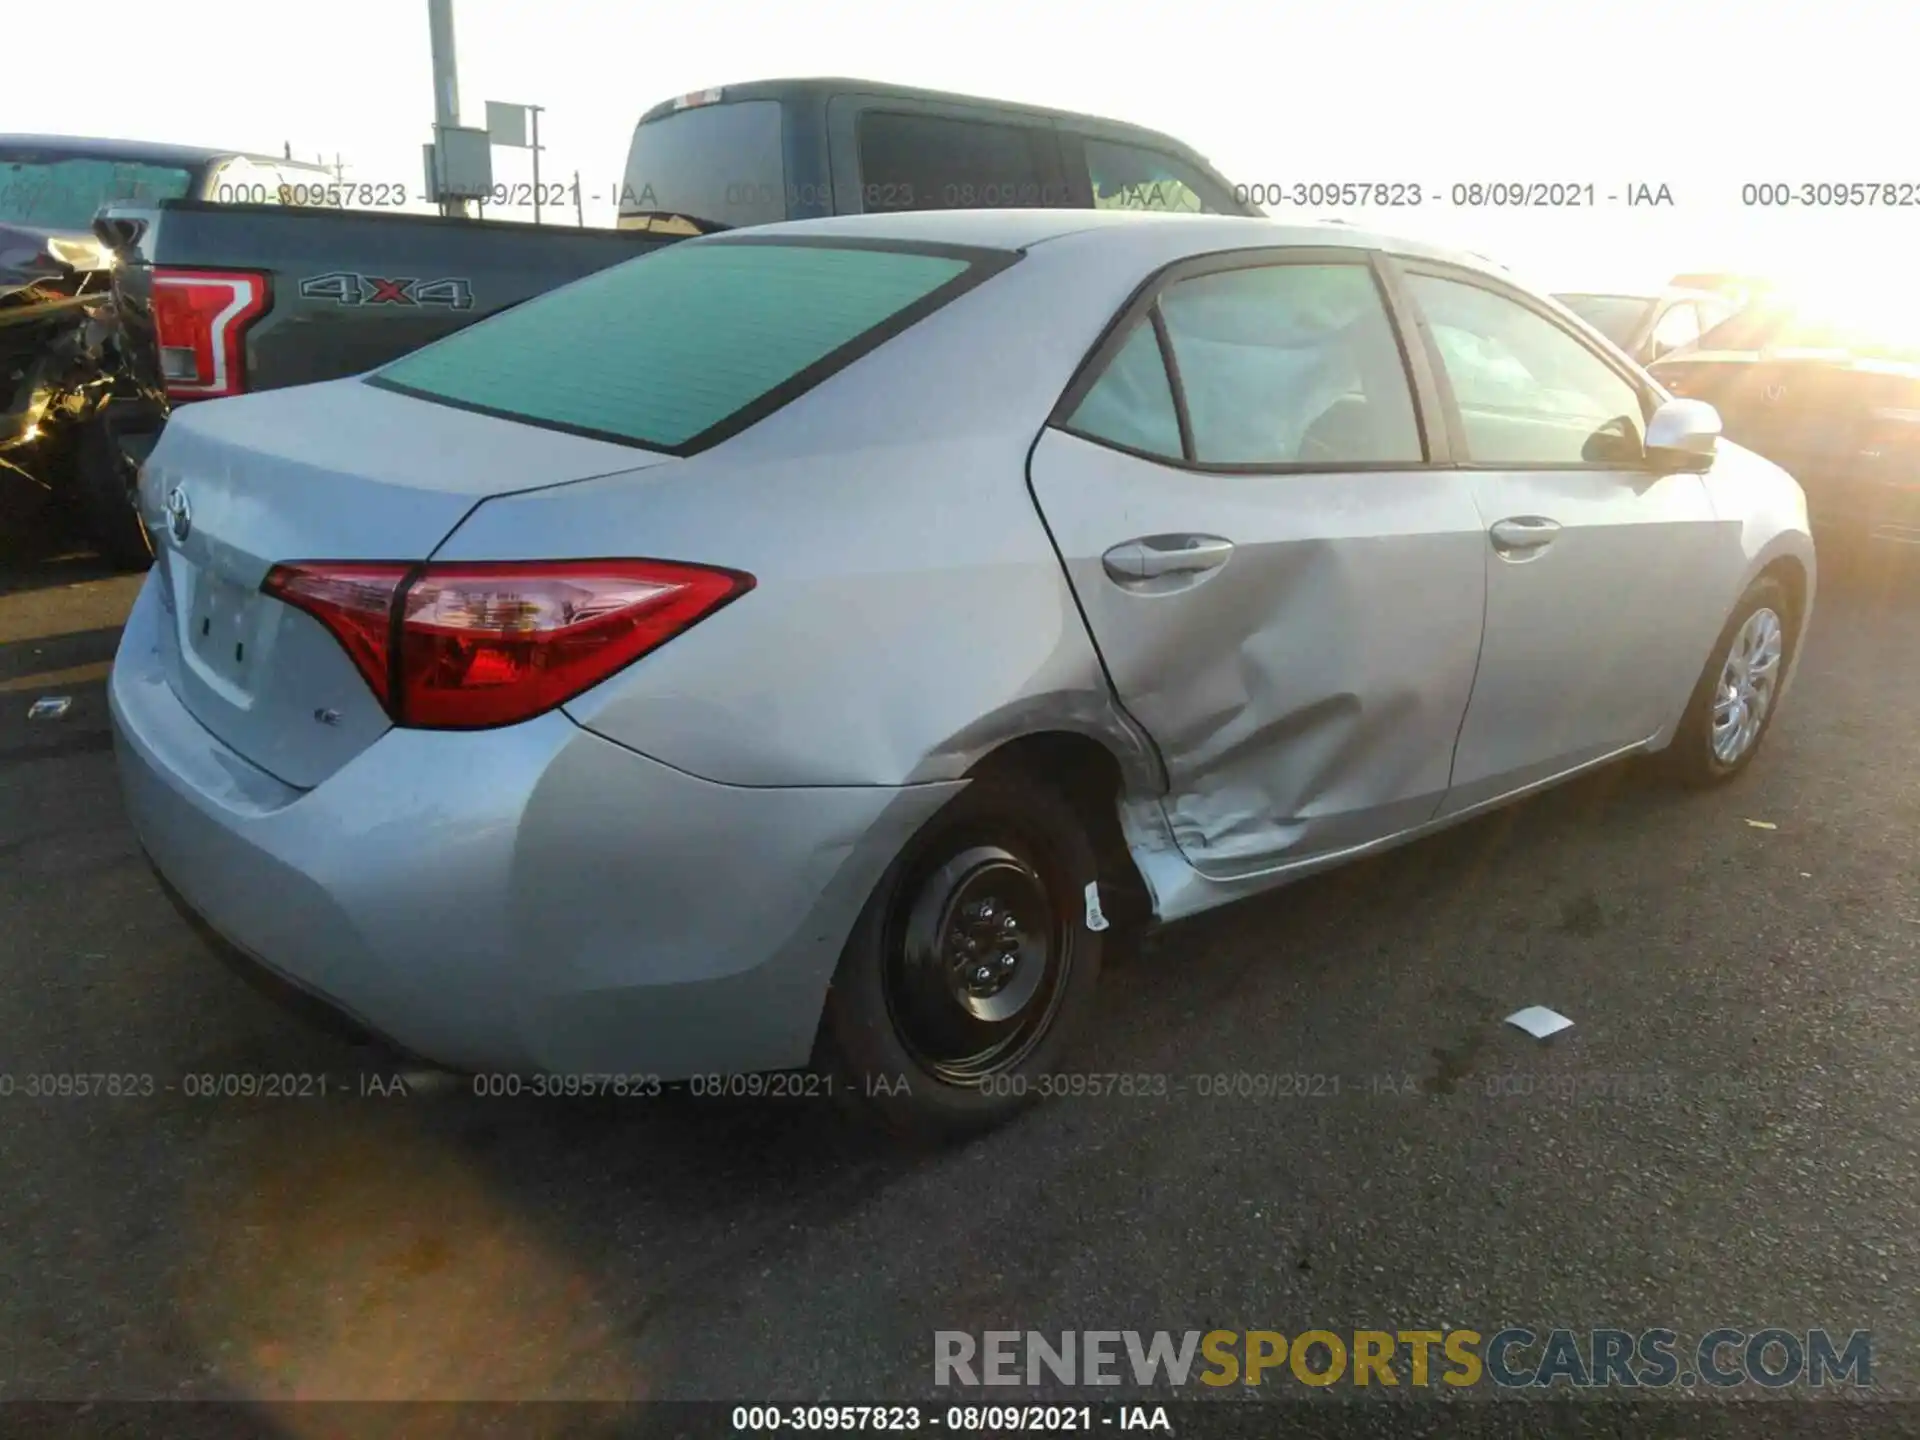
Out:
{"x": 1792, "y": 574}
{"x": 1094, "y": 779}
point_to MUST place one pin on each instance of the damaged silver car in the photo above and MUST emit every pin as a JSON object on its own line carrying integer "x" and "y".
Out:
{"x": 805, "y": 643}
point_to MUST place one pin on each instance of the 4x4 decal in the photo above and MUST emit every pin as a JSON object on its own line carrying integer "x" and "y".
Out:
{"x": 343, "y": 287}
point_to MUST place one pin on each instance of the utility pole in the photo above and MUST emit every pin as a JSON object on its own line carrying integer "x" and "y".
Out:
{"x": 534, "y": 111}
{"x": 446, "y": 88}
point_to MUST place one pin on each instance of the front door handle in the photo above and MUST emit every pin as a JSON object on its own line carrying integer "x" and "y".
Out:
{"x": 1153, "y": 556}
{"x": 1523, "y": 535}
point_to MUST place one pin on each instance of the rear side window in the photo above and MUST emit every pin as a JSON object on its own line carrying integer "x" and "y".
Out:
{"x": 1131, "y": 405}
{"x": 1291, "y": 365}
{"x": 680, "y": 348}
{"x": 240, "y": 181}
{"x": 930, "y": 162}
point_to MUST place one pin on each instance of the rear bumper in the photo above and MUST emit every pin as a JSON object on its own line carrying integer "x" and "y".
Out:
{"x": 529, "y": 898}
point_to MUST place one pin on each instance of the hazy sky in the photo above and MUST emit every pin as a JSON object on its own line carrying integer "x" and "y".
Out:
{"x": 1701, "y": 97}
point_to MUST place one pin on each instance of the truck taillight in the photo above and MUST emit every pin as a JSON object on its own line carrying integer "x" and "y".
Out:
{"x": 470, "y": 646}
{"x": 200, "y": 320}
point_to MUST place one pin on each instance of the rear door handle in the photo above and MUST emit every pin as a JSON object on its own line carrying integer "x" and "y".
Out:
{"x": 1523, "y": 535}
{"x": 1154, "y": 556}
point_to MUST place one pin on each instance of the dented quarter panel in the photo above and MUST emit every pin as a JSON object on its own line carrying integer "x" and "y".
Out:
{"x": 1305, "y": 696}
{"x": 909, "y": 614}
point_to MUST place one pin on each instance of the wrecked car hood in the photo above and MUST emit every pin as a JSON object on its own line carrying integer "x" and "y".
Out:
{"x": 30, "y": 257}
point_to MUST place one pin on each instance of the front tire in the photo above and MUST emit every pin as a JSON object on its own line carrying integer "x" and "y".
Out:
{"x": 1738, "y": 694}
{"x": 971, "y": 966}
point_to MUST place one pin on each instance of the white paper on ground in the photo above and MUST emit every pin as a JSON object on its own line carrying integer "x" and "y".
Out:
{"x": 1539, "y": 1022}
{"x": 49, "y": 707}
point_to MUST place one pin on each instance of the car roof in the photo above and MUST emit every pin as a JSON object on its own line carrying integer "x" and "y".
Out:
{"x": 1151, "y": 233}
{"x": 140, "y": 152}
{"x": 1644, "y": 296}
{"x": 821, "y": 87}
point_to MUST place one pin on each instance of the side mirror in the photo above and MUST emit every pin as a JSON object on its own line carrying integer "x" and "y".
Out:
{"x": 1683, "y": 435}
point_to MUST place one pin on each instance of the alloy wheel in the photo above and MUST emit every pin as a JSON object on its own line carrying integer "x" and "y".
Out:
{"x": 1749, "y": 681}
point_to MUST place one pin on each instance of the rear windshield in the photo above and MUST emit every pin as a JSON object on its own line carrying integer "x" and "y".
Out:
{"x": 49, "y": 191}
{"x": 691, "y": 343}
{"x": 709, "y": 167}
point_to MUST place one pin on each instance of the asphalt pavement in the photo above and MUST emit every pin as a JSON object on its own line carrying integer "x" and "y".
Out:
{"x": 1726, "y": 1137}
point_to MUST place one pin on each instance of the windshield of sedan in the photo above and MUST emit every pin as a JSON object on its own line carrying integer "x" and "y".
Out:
{"x": 1618, "y": 317}
{"x": 48, "y": 191}
{"x": 691, "y": 343}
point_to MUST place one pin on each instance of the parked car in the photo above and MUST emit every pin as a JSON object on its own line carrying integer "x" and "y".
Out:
{"x": 59, "y": 366}
{"x": 1652, "y": 325}
{"x": 807, "y": 643}
{"x": 218, "y": 302}
{"x": 1834, "y": 402}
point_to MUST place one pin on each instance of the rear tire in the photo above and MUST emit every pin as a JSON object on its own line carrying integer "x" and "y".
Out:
{"x": 970, "y": 967}
{"x": 1738, "y": 694}
{"x": 103, "y": 481}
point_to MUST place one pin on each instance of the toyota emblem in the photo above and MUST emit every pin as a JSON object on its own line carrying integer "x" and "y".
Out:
{"x": 179, "y": 515}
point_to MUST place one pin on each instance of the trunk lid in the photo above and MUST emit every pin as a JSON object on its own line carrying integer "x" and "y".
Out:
{"x": 336, "y": 471}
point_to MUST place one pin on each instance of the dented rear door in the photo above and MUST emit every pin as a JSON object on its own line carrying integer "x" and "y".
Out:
{"x": 1300, "y": 642}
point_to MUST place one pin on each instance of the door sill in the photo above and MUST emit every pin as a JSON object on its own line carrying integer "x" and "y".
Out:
{"x": 1181, "y": 889}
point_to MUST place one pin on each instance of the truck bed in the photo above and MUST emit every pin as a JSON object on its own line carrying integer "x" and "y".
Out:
{"x": 347, "y": 290}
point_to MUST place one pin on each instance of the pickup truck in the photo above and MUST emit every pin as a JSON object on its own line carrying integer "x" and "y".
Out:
{"x": 218, "y": 301}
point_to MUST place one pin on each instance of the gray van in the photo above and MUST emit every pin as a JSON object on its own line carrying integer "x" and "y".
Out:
{"x": 778, "y": 150}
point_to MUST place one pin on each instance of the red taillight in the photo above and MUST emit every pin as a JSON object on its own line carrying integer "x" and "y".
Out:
{"x": 356, "y": 603}
{"x": 469, "y": 646}
{"x": 200, "y": 320}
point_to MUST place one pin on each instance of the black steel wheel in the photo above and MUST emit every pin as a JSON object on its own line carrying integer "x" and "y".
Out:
{"x": 970, "y": 965}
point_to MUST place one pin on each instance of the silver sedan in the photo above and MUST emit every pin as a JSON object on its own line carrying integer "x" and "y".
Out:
{"x": 797, "y": 649}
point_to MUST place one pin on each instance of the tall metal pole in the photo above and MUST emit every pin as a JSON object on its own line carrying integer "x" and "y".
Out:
{"x": 446, "y": 89}
{"x": 534, "y": 111}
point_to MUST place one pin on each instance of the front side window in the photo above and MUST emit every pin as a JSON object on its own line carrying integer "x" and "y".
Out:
{"x": 689, "y": 343}
{"x": 1291, "y": 365}
{"x": 1127, "y": 177}
{"x": 931, "y": 162}
{"x": 1529, "y": 393}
